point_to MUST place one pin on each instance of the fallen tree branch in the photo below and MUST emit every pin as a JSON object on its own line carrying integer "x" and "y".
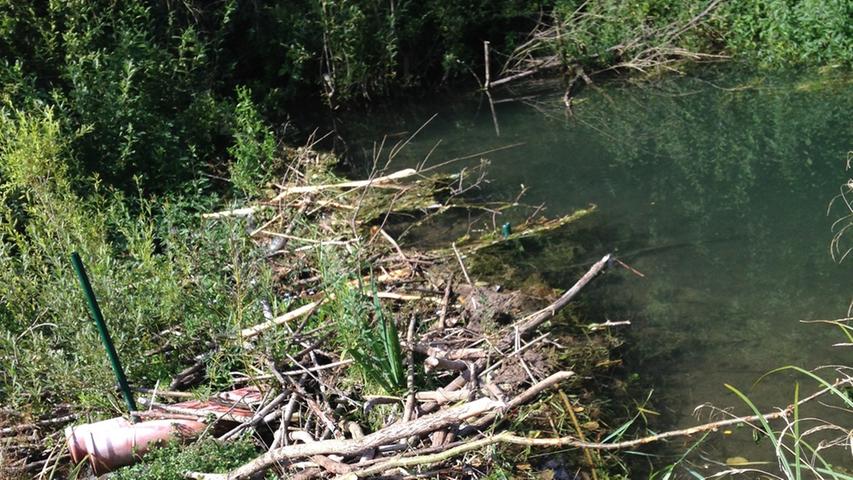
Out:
{"x": 235, "y": 212}
{"x": 528, "y": 323}
{"x": 376, "y": 182}
{"x": 525, "y": 397}
{"x": 409, "y": 408}
{"x": 258, "y": 417}
{"x": 387, "y": 435}
{"x": 256, "y": 330}
{"x": 37, "y": 424}
{"x": 445, "y": 302}
{"x": 569, "y": 441}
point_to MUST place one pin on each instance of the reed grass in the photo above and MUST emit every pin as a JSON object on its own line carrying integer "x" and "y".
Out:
{"x": 364, "y": 330}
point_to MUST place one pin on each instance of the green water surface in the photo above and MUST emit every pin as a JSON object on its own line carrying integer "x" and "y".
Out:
{"x": 714, "y": 186}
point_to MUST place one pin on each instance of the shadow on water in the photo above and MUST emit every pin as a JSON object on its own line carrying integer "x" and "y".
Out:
{"x": 714, "y": 187}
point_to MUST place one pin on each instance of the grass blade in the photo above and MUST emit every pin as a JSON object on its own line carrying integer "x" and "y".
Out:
{"x": 832, "y": 388}
{"x": 777, "y": 444}
{"x": 390, "y": 341}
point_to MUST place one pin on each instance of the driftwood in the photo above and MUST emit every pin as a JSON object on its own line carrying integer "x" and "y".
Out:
{"x": 530, "y": 322}
{"x": 38, "y": 424}
{"x": 384, "y": 182}
{"x": 568, "y": 441}
{"x": 388, "y": 435}
{"x": 304, "y": 310}
{"x": 375, "y": 182}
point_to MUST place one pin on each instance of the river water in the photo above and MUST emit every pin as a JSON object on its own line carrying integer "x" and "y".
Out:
{"x": 714, "y": 186}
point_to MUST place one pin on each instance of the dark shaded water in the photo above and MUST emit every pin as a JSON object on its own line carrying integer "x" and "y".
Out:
{"x": 715, "y": 188}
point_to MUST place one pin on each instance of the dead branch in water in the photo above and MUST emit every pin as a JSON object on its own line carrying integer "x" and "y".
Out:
{"x": 646, "y": 49}
{"x": 533, "y": 320}
{"x": 511, "y": 438}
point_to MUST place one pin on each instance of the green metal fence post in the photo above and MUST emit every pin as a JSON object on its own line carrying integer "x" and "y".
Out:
{"x": 102, "y": 331}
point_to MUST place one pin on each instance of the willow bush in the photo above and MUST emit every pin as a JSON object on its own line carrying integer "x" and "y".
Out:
{"x": 154, "y": 265}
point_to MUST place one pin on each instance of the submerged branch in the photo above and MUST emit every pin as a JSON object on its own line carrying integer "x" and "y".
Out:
{"x": 569, "y": 441}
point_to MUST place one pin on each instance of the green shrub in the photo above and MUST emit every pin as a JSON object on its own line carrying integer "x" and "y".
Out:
{"x": 154, "y": 265}
{"x": 781, "y": 32}
{"x": 171, "y": 461}
{"x": 766, "y": 33}
{"x": 254, "y": 147}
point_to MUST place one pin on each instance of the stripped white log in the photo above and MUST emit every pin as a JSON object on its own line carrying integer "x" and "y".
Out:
{"x": 236, "y": 212}
{"x": 375, "y": 182}
{"x": 381, "y": 182}
{"x": 256, "y": 330}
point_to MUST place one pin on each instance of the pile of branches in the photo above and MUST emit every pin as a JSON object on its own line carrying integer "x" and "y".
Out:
{"x": 467, "y": 357}
{"x": 449, "y": 363}
{"x": 464, "y": 356}
{"x": 646, "y": 48}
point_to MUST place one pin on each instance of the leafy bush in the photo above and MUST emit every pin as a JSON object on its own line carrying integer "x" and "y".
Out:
{"x": 254, "y": 146}
{"x": 780, "y": 32}
{"x": 766, "y": 33}
{"x": 592, "y": 29}
{"x": 154, "y": 264}
{"x": 171, "y": 461}
{"x": 139, "y": 88}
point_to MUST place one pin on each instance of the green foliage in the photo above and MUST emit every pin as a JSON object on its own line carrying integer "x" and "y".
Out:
{"x": 171, "y": 461}
{"x": 155, "y": 88}
{"x": 782, "y": 32}
{"x": 254, "y": 146}
{"x": 391, "y": 343}
{"x": 152, "y": 88}
{"x": 590, "y": 30}
{"x": 154, "y": 266}
{"x": 363, "y": 330}
{"x": 770, "y": 33}
{"x": 139, "y": 89}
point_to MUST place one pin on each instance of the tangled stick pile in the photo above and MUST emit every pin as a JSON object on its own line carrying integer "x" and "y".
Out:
{"x": 375, "y": 359}
{"x": 454, "y": 382}
{"x": 465, "y": 359}
{"x": 469, "y": 359}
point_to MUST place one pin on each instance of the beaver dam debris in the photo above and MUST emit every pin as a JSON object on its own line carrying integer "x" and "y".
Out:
{"x": 372, "y": 357}
{"x": 452, "y": 359}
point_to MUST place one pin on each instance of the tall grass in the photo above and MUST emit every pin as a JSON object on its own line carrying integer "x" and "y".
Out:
{"x": 796, "y": 455}
{"x": 364, "y": 330}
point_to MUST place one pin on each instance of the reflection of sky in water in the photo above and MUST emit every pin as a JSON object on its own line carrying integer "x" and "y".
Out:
{"x": 718, "y": 196}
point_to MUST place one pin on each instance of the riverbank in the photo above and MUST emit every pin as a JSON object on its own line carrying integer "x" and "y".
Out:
{"x": 121, "y": 123}
{"x": 332, "y": 289}
{"x": 161, "y": 90}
